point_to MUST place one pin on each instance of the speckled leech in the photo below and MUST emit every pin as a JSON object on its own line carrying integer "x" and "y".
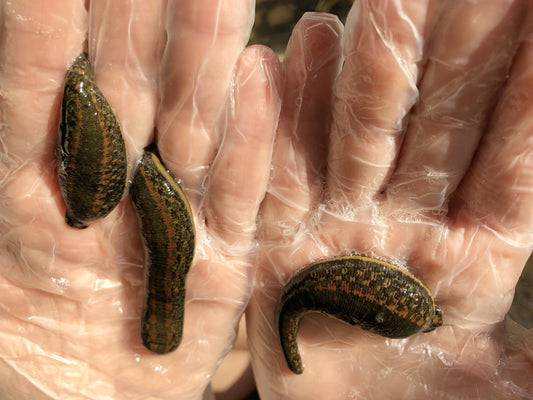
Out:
{"x": 376, "y": 295}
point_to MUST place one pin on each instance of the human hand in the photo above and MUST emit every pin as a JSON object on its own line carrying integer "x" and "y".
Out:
{"x": 428, "y": 163}
{"x": 71, "y": 299}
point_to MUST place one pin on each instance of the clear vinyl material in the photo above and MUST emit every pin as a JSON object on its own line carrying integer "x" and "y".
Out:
{"x": 406, "y": 135}
{"x": 71, "y": 300}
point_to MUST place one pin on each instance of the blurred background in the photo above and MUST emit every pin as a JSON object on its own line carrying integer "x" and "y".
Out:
{"x": 274, "y": 19}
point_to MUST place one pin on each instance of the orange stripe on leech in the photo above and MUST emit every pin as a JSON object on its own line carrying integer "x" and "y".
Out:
{"x": 169, "y": 308}
{"x": 368, "y": 296}
{"x": 152, "y": 322}
{"x": 167, "y": 220}
{"x": 169, "y": 340}
{"x": 106, "y": 159}
{"x": 74, "y": 130}
{"x": 161, "y": 168}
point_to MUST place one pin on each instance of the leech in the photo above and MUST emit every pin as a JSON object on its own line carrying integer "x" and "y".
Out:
{"x": 92, "y": 159}
{"x": 378, "y": 296}
{"x": 169, "y": 237}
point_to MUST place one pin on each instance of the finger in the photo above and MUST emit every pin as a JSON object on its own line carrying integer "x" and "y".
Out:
{"x": 375, "y": 91}
{"x": 311, "y": 64}
{"x": 472, "y": 49}
{"x": 497, "y": 192}
{"x": 205, "y": 38}
{"x": 35, "y": 50}
{"x": 240, "y": 173}
{"x": 125, "y": 46}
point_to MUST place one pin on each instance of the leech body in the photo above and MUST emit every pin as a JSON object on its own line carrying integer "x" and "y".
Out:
{"x": 169, "y": 238}
{"x": 376, "y": 295}
{"x": 92, "y": 159}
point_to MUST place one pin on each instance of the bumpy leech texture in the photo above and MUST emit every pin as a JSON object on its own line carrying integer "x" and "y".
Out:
{"x": 376, "y": 295}
{"x": 93, "y": 164}
{"x": 168, "y": 233}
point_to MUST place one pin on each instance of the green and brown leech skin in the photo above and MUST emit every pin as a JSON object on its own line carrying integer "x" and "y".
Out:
{"x": 376, "y": 295}
{"x": 169, "y": 237}
{"x": 92, "y": 158}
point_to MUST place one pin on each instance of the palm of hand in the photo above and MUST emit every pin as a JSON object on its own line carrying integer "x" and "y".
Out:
{"x": 72, "y": 299}
{"x": 78, "y": 305}
{"x": 441, "y": 193}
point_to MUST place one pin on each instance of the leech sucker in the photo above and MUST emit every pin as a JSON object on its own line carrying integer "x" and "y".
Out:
{"x": 92, "y": 158}
{"x": 378, "y": 296}
{"x": 169, "y": 237}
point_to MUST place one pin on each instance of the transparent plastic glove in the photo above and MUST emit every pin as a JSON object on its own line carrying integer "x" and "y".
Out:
{"x": 71, "y": 300}
{"x": 427, "y": 161}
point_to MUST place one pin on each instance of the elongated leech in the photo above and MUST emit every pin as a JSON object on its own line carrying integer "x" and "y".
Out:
{"x": 374, "y": 294}
{"x": 92, "y": 159}
{"x": 169, "y": 237}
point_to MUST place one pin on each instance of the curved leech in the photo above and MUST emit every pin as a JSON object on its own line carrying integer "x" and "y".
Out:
{"x": 376, "y": 295}
{"x": 169, "y": 237}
